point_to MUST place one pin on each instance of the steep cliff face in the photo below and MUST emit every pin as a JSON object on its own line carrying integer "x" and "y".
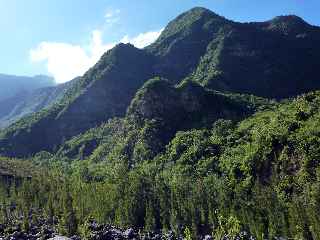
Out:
{"x": 184, "y": 41}
{"x": 184, "y": 106}
{"x": 264, "y": 59}
{"x": 157, "y": 112}
{"x": 112, "y": 84}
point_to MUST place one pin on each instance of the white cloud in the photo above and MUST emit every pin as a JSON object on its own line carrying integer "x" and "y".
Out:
{"x": 66, "y": 61}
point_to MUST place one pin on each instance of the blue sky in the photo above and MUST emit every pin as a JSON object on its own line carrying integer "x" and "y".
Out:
{"x": 65, "y": 37}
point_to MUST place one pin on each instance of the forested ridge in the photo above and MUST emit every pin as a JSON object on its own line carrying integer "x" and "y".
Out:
{"x": 210, "y": 133}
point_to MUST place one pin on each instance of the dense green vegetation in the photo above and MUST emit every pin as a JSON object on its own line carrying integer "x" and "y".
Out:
{"x": 260, "y": 175}
{"x": 167, "y": 139}
{"x": 105, "y": 91}
{"x": 156, "y": 113}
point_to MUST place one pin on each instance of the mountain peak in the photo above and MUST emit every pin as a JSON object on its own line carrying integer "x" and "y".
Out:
{"x": 189, "y": 21}
{"x": 120, "y": 48}
{"x": 184, "y": 41}
{"x": 195, "y": 14}
{"x": 289, "y": 19}
{"x": 123, "y": 45}
{"x": 288, "y": 24}
{"x": 201, "y": 11}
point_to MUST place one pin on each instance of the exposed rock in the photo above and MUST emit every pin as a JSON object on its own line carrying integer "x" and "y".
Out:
{"x": 130, "y": 234}
{"x": 60, "y": 238}
{"x": 207, "y": 237}
{"x": 42, "y": 230}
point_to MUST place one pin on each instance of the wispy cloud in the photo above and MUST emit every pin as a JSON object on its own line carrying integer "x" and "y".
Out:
{"x": 66, "y": 61}
{"x": 112, "y": 16}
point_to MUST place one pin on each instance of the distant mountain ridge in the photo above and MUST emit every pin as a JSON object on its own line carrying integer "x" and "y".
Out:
{"x": 28, "y": 102}
{"x": 11, "y": 85}
{"x": 272, "y": 59}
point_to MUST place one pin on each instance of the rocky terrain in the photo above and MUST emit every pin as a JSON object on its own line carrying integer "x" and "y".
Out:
{"x": 43, "y": 231}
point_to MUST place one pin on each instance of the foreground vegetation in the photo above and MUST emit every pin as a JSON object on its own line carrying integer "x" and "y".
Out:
{"x": 260, "y": 176}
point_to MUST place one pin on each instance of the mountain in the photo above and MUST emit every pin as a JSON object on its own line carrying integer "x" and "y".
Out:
{"x": 103, "y": 92}
{"x": 157, "y": 112}
{"x": 264, "y": 59}
{"x": 183, "y": 42}
{"x": 273, "y": 59}
{"x": 28, "y": 102}
{"x": 258, "y": 176}
{"x": 11, "y": 85}
{"x": 211, "y": 132}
